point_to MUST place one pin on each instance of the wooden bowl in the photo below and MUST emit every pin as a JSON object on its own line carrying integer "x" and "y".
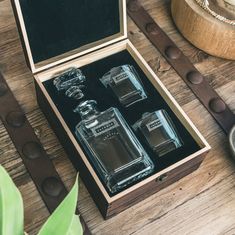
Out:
{"x": 203, "y": 30}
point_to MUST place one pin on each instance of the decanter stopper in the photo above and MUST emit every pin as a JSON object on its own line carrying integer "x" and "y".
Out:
{"x": 87, "y": 109}
{"x": 71, "y": 77}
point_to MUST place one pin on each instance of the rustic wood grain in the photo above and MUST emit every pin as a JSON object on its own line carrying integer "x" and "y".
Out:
{"x": 201, "y": 203}
{"x": 204, "y": 30}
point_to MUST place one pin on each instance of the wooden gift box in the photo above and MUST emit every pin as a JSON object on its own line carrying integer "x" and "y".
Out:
{"x": 92, "y": 36}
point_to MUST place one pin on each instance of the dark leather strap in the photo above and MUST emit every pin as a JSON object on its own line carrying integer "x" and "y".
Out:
{"x": 37, "y": 162}
{"x": 192, "y": 77}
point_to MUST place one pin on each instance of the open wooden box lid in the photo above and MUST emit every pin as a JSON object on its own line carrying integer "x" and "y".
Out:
{"x": 57, "y": 31}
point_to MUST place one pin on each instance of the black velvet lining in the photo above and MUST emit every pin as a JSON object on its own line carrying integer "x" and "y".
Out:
{"x": 58, "y": 26}
{"x": 96, "y": 91}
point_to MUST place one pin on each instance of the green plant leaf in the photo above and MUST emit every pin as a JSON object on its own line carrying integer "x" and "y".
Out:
{"x": 76, "y": 227}
{"x": 11, "y": 206}
{"x": 61, "y": 220}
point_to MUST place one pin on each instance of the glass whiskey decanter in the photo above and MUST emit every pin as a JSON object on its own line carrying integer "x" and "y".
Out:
{"x": 111, "y": 146}
{"x": 159, "y": 132}
{"x": 125, "y": 83}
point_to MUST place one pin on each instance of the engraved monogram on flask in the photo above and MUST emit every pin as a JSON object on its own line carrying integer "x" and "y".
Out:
{"x": 104, "y": 127}
{"x": 154, "y": 125}
{"x": 120, "y": 77}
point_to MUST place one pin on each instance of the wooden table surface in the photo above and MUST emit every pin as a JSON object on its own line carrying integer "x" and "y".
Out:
{"x": 202, "y": 203}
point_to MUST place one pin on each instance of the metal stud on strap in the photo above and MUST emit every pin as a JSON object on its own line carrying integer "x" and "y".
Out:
{"x": 175, "y": 57}
{"x": 47, "y": 181}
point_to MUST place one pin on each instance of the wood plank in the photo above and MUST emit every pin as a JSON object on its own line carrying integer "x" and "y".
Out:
{"x": 193, "y": 196}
